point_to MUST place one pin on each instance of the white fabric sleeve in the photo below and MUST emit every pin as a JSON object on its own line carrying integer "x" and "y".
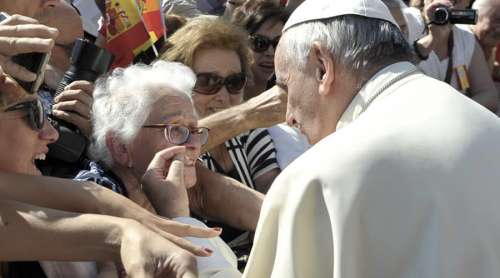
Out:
{"x": 222, "y": 263}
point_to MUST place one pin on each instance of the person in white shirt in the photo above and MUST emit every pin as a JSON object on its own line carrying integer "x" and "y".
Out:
{"x": 451, "y": 53}
{"x": 402, "y": 180}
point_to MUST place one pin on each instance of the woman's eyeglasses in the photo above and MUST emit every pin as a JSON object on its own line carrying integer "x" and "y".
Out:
{"x": 210, "y": 83}
{"x": 180, "y": 135}
{"x": 36, "y": 112}
{"x": 261, "y": 43}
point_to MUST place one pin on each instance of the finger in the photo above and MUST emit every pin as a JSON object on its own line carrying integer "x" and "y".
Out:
{"x": 176, "y": 172}
{"x": 164, "y": 157}
{"x": 83, "y": 124}
{"x": 187, "y": 245}
{"x": 13, "y": 46}
{"x": 16, "y": 70}
{"x": 86, "y": 86}
{"x": 17, "y": 19}
{"x": 184, "y": 230}
{"x": 75, "y": 94}
{"x": 29, "y": 30}
{"x": 75, "y": 106}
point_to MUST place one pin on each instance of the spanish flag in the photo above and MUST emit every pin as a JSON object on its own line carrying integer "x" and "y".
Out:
{"x": 152, "y": 18}
{"x": 125, "y": 32}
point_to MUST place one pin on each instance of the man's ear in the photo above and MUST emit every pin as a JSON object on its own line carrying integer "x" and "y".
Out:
{"x": 119, "y": 151}
{"x": 324, "y": 68}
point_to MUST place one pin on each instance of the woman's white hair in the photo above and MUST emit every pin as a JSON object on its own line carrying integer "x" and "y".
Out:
{"x": 123, "y": 101}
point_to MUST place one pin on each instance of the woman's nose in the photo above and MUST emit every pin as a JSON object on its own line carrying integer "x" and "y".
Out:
{"x": 49, "y": 133}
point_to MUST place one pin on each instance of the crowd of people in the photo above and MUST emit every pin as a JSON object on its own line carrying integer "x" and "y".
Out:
{"x": 299, "y": 138}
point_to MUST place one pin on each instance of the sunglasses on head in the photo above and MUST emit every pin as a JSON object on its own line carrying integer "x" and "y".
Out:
{"x": 36, "y": 112}
{"x": 210, "y": 83}
{"x": 261, "y": 43}
{"x": 180, "y": 135}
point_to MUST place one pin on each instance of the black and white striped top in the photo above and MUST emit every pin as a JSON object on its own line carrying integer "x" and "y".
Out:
{"x": 252, "y": 153}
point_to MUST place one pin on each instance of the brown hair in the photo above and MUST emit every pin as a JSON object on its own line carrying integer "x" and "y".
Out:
{"x": 253, "y": 14}
{"x": 174, "y": 22}
{"x": 208, "y": 32}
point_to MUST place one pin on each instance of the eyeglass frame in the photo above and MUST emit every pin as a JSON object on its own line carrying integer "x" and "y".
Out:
{"x": 167, "y": 128}
{"x": 270, "y": 42}
{"x": 30, "y": 107}
{"x": 221, "y": 84}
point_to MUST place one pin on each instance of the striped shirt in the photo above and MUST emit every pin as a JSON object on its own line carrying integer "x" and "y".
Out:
{"x": 252, "y": 153}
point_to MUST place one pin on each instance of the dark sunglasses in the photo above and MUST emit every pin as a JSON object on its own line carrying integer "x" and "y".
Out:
{"x": 210, "y": 83}
{"x": 36, "y": 112}
{"x": 180, "y": 135}
{"x": 261, "y": 43}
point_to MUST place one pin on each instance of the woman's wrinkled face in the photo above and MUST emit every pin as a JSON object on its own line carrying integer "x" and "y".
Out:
{"x": 21, "y": 145}
{"x": 223, "y": 63}
{"x": 263, "y": 66}
{"x": 170, "y": 109}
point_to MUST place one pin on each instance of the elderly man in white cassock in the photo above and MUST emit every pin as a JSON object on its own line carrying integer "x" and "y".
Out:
{"x": 404, "y": 176}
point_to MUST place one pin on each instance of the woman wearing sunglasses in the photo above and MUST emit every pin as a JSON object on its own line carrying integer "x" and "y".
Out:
{"x": 219, "y": 55}
{"x": 263, "y": 20}
{"x": 24, "y": 123}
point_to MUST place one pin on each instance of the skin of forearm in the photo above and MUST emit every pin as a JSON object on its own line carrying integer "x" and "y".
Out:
{"x": 225, "y": 125}
{"x": 227, "y": 200}
{"x": 55, "y": 193}
{"x": 67, "y": 195}
{"x": 34, "y": 233}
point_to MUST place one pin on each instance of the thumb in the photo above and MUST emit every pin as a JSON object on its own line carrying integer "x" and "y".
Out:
{"x": 176, "y": 172}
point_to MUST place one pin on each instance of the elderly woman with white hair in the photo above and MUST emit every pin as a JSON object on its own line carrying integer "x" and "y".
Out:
{"x": 145, "y": 127}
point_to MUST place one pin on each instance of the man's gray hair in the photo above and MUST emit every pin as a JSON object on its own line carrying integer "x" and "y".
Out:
{"x": 124, "y": 99}
{"x": 358, "y": 44}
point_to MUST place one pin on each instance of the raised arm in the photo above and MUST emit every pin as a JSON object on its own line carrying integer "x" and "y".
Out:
{"x": 264, "y": 110}
{"x": 225, "y": 199}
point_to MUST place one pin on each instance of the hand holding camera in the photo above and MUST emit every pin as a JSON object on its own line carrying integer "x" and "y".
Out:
{"x": 73, "y": 105}
{"x": 23, "y": 35}
{"x": 441, "y": 14}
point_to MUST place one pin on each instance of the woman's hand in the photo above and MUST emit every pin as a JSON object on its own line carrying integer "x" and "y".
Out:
{"x": 145, "y": 254}
{"x": 73, "y": 105}
{"x": 163, "y": 183}
{"x": 18, "y": 35}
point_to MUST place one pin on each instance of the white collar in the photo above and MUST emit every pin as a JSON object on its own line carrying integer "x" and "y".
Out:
{"x": 370, "y": 90}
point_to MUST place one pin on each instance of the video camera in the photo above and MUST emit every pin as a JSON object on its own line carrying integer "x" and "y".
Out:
{"x": 444, "y": 15}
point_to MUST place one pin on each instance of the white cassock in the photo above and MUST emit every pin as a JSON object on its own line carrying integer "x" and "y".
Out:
{"x": 408, "y": 186}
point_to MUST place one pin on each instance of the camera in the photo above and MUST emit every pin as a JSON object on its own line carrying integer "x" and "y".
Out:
{"x": 88, "y": 62}
{"x": 34, "y": 62}
{"x": 444, "y": 15}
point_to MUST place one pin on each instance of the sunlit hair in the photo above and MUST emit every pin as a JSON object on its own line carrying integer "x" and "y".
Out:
{"x": 124, "y": 99}
{"x": 360, "y": 45}
{"x": 208, "y": 32}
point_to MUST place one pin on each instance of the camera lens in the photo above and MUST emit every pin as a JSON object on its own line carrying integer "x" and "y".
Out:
{"x": 441, "y": 16}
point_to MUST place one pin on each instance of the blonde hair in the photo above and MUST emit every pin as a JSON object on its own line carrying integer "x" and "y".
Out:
{"x": 205, "y": 32}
